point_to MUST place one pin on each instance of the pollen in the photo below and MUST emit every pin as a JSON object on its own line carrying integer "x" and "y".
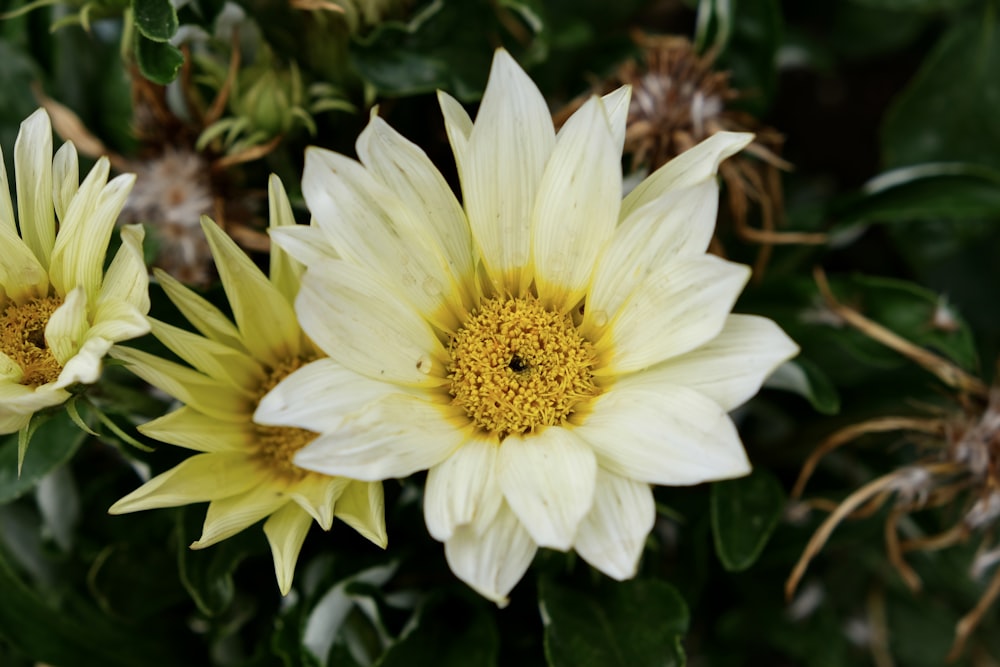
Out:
{"x": 22, "y": 339}
{"x": 275, "y": 446}
{"x": 516, "y": 366}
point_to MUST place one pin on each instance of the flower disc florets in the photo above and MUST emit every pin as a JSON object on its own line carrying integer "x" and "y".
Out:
{"x": 276, "y": 445}
{"x": 22, "y": 338}
{"x": 516, "y": 366}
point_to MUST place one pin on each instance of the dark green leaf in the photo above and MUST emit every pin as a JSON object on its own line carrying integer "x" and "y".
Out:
{"x": 752, "y": 49}
{"x": 158, "y": 61}
{"x": 803, "y": 377}
{"x": 631, "y": 624}
{"x": 745, "y": 512}
{"x": 52, "y": 444}
{"x": 913, "y": 5}
{"x": 207, "y": 574}
{"x": 449, "y": 633}
{"x": 949, "y": 110}
{"x": 155, "y": 19}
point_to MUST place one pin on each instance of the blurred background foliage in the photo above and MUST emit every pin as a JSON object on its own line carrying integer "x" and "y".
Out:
{"x": 885, "y": 151}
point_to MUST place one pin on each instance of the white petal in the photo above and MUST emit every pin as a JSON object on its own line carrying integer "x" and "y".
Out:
{"x": 616, "y": 104}
{"x": 577, "y": 207}
{"x": 548, "y": 480}
{"x": 22, "y": 277}
{"x": 286, "y": 530}
{"x": 406, "y": 170}
{"x": 731, "y": 367}
{"x": 672, "y": 311}
{"x": 678, "y": 225}
{"x": 65, "y": 178}
{"x": 33, "y": 178}
{"x": 12, "y": 422}
{"x": 457, "y": 124}
{"x": 127, "y": 278}
{"x": 319, "y": 397}
{"x": 265, "y": 319}
{"x": 612, "y": 535}
{"x": 8, "y": 225}
{"x": 117, "y": 321}
{"x": 493, "y": 559}
{"x": 85, "y": 366}
{"x": 370, "y": 225}
{"x": 663, "y": 435}
{"x": 66, "y": 329}
{"x": 307, "y": 245}
{"x": 463, "y": 489}
{"x": 393, "y": 437}
{"x": 19, "y": 399}
{"x": 690, "y": 167}
{"x": 509, "y": 145}
{"x": 367, "y": 327}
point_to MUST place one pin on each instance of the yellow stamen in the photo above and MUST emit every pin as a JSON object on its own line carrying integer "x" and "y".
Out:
{"x": 22, "y": 338}
{"x": 275, "y": 446}
{"x": 516, "y": 366}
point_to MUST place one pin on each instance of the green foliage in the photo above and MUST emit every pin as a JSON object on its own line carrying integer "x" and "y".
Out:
{"x": 745, "y": 512}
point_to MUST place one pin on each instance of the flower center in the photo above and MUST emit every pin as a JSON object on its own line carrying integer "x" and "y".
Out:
{"x": 276, "y": 445}
{"x": 516, "y": 366}
{"x": 22, "y": 339}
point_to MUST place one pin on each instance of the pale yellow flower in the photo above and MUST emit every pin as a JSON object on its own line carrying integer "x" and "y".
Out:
{"x": 244, "y": 470}
{"x": 60, "y": 312}
{"x": 547, "y": 353}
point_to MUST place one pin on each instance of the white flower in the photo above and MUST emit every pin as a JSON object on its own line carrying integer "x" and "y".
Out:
{"x": 60, "y": 312}
{"x": 546, "y": 353}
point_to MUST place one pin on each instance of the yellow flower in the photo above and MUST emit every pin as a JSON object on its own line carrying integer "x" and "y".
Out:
{"x": 547, "y": 353}
{"x": 60, "y": 312}
{"x": 244, "y": 470}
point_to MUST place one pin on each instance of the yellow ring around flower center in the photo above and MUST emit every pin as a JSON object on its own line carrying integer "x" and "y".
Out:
{"x": 22, "y": 339}
{"x": 275, "y": 446}
{"x": 516, "y": 366}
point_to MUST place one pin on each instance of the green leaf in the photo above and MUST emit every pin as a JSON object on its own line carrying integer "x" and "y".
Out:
{"x": 158, "y": 61}
{"x": 803, "y": 377}
{"x": 913, "y": 5}
{"x": 74, "y": 633}
{"x": 155, "y": 19}
{"x": 950, "y": 190}
{"x": 745, "y": 512}
{"x": 448, "y": 633}
{"x": 636, "y": 623}
{"x": 752, "y": 50}
{"x": 207, "y": 574}
{"x": 52, "y": 444}
{"x": 949, "y": 110}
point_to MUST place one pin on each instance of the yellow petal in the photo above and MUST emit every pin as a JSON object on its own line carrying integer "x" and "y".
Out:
{"x": 127, "y": 278}
{"x": 67, "y": 327}
{"x": 33, "y": 178}
{"x": 362, "y": 507}
{"x": 228, "y": 516}
{"x": 286, "y": 530}
{"x": 65, "y": 178}
{"x": 285, "y": 271}
{"x": 186, "y": 427}
{"x": 205, "y": 317}
{"x": 317, "y": 494}
{"x": 214, "y": 359}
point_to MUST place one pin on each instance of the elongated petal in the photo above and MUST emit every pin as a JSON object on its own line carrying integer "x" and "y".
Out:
{"x": 577, "y": 207}
{"x": 370, "y": 225}
{"x": 12, "y": 422}
{"x": 509, "y": 145}
{"x": 394, "y": 437}
{"x": 67, "y": 327}
{"x": 19, "y": 399}
{"x": 672, "y": 311}
{"x": 548, "y": 480}
{"x": 8, "y": 225}
{"x": 22, "y": 277}
{"x": 362, "y": 507}
{"x": 678, "y": 225}
{"x": 308, "y": 246}
{"x": 265, "y": 319}
{"x": 65, "y": 178}
{"x": 464, "y": 488}
{"x": 458, "y": 125}
{"x": 616, "y": 105}
{"x": 230, "y": 515}
{"x": 197, "y": 479}
{"x": 406, "y": 170}
{"x": 286, "y": 531}
{"x": 320, "y": 397}
{"x": 186, "y": 427}
{"x": 690, "y": 167}
{"x": 214, "y": 359}
{"x": 731, "y": 367}
{"x": 33, "y": 178}
{"x": 205, "y": 317}
{"x": 85, "y": 366}
{"x": 127, "y": 278}
{"x": 212, "y": 397}
{"x": 492, "y": 559}
{"x": 612, "y": 535}
{"x": 367, "y": 328}
{"x": 284, "y": 271}
{"x": 117, "y": 321}
{"x": 664, "y": 435}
